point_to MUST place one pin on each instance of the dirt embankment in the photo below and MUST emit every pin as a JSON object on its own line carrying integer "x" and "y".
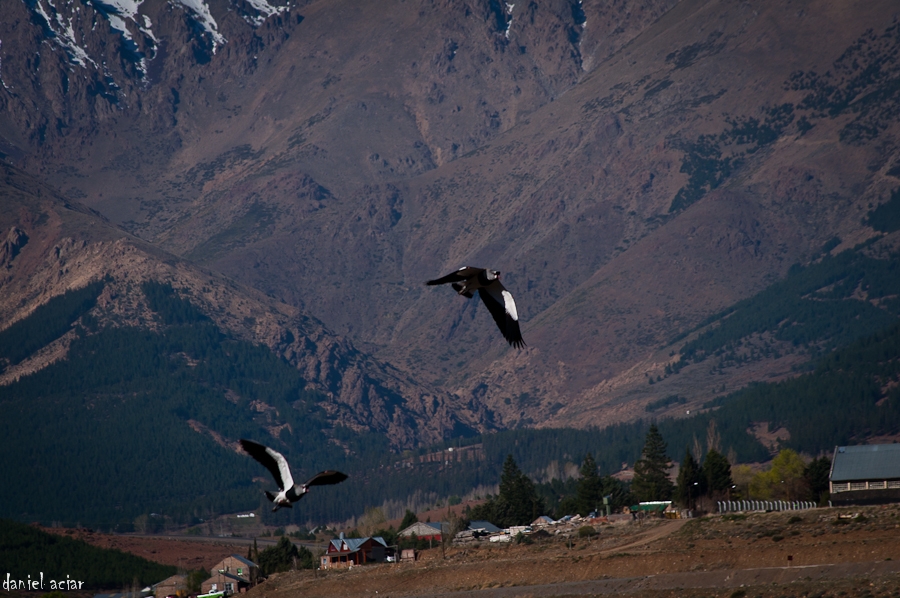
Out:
{"x": 825, "y": 552}
{"x": 183, "y": 552}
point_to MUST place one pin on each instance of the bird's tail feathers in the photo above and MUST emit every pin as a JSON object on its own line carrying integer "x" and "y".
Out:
{"x": 270, "y": 496}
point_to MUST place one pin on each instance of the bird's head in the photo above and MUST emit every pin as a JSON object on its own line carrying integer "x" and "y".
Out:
{"x": 492, "y": 274}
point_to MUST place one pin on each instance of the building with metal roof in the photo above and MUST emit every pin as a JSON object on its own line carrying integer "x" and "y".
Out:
{"x": 865, "y": 474}
{"x": 483, "y": 526}
{"x": 425, "y": 530}
{"x": 346, "y": 552}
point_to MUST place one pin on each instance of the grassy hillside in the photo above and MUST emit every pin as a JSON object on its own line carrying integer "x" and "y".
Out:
{"x": 27, "y": 553}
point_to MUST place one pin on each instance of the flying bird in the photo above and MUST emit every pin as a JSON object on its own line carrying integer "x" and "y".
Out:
{"x": 498, "y": 300}
{"x": 281, "y": 471}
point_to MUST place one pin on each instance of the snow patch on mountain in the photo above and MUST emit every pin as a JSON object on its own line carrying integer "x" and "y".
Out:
{"x": 67, "y": 23}
{"x": 265, "y": 11}
{"x": 62, "y": 32}
{"x": 205, "y": 19}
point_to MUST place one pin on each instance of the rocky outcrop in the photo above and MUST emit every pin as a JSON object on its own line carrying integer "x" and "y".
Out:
{"x": 10, "y": 248}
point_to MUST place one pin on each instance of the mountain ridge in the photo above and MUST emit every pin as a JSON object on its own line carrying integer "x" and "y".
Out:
{"x": 363, "y": 392}
{"x": 627, "y": 186}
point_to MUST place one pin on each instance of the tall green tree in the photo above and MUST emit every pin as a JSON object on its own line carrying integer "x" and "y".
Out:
{"x": 688, "y": 484}
{"x": 716, "y": 475}
{"x": 816, "y": 475}
{"x": 408, "y": 519}
{"x": 618, "y": 492}
{"x": 518, "y": 502}
{"x": 783, "y": 481}
{"x": 589, "y": 492}
{"x": 195, "y": 579}
{"x": 651, "y": 471}
{"x": 285, "y": 556}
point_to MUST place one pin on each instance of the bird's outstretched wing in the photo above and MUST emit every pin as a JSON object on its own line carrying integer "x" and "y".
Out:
{"x": 325, "y": 478}
{"x": 500, "y": 303}
{"x": 463, "y": 273}
{"x": 272, "y": 460}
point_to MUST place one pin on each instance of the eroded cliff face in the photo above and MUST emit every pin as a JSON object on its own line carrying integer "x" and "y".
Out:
{"x": 57, "y": 246}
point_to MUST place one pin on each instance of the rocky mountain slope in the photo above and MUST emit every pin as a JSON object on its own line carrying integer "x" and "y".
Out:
{"x": 631, "y": 167}
{"x": 54, "y": 245}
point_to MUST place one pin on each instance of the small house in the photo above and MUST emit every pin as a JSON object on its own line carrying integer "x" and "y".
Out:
{"x": 865, "y": 474}
{"x": 171, "y": 586}
{"x": 346, "y": 552}
{"x": 484, "y": 527}
{"x": 543, "y": 521}
{"x": 233, "y": 574}
{"x": 424, "y": 531}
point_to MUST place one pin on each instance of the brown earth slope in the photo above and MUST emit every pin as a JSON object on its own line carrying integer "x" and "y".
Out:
{"x": 712, "y": 556}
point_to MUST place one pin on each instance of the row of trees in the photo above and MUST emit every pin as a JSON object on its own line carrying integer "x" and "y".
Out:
{"x": 519, "y": 501}
{"x": 711, "y": 480}
{"x": 789, "y": 477}
{"x": 699, "y": 484}
{"x": 284, "y": 556}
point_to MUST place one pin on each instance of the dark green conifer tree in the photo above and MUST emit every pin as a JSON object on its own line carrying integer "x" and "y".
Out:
{"x": 408, "y": 519}
{"x": 816, "y": 475}
{"x": 618, "y": 492}
{"x": 716, "y": 475}
{"x": 687, "y": 486}
{"x": 588, "y": 494}
{"x": 518, "y": 502}
{"x": 651, "y": 472}
{"x": 283, "y": 556}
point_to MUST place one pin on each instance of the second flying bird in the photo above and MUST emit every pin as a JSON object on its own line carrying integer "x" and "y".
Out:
{"x": 498, "y": 300}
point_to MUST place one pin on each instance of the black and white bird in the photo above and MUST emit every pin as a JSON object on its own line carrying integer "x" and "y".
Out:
{"x": 281, "y": 471}
{"x": 498, "y": 300}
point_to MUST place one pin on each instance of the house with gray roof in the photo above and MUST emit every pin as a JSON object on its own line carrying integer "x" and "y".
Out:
{"x": 484, "y": 526}
{"x": 865, "y": 474}
{"x": 425, "y": 530}
{"x": 346, "y": 552}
